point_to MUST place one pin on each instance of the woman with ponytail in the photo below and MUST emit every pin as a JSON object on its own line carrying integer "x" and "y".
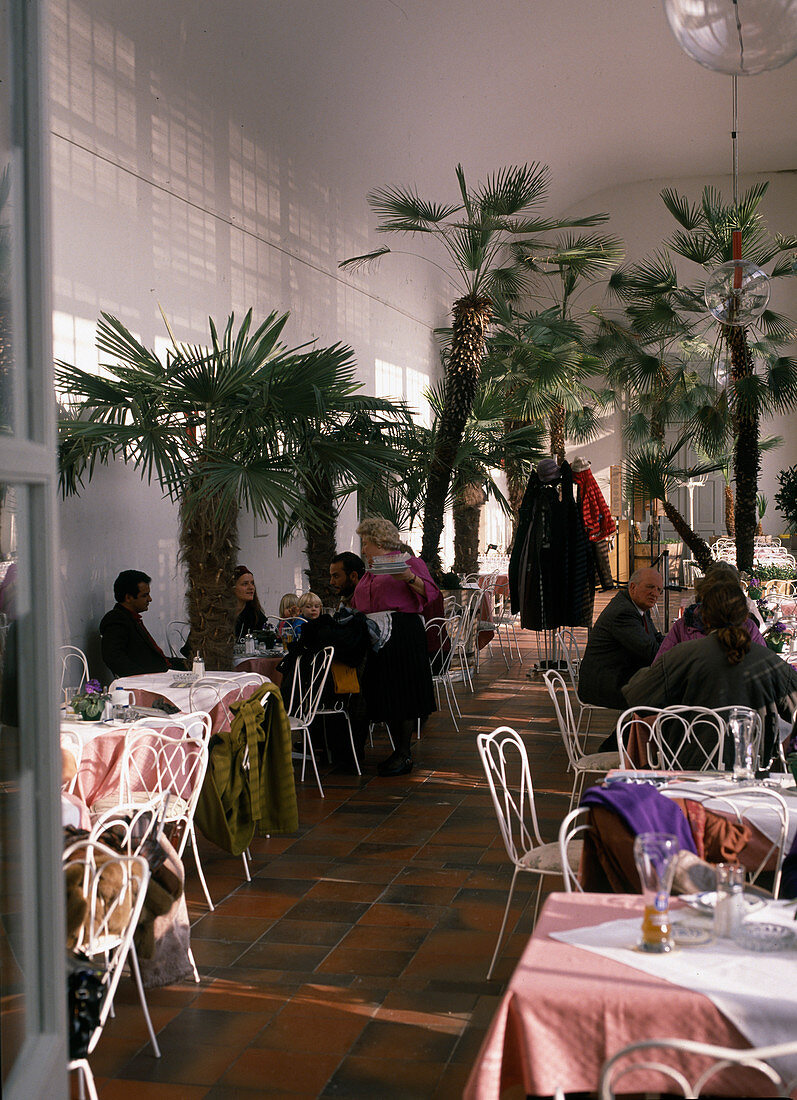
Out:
{"x": 721, "y": 670}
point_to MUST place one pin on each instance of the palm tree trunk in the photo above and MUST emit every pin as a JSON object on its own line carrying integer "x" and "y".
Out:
{"x": 515, "y": 477}
{"x": 468, "y": 506}
{"x": 208, "y": 549}
{"x": 746, "y": 457}
{"x": 699, "y": 547}
{"x": 730, "y": 519}
{"x": 471, "y": 316}
{"x": 320, "y": 534}
{"x": 558, "y": 433}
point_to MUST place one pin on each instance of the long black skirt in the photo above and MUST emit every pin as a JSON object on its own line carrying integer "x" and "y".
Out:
{"x": 398, "y": 679}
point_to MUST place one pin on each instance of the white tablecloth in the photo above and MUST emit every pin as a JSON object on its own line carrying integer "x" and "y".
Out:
{"x": 756, "y": 991}
{"x": 164, "y": 684}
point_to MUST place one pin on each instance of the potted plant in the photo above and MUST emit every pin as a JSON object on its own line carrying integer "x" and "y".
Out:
{"x": 89, "y": 704}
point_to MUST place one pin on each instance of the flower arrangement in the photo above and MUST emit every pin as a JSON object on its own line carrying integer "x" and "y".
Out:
{"x": 779, "y": 636}
{"x": 90, "y": 702}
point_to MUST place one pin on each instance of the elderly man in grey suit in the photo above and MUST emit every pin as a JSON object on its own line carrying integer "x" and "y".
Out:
{"x": 622, "y": 641}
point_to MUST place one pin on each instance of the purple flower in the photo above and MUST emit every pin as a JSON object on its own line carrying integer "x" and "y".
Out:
{"x": 93, "y": 687}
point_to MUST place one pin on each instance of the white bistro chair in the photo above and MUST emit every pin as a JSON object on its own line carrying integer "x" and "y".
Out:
{"x": 114, "y": 887}
{"x": 579, "y": 762}
{"x": 306, "y": 689}
{"x": 634, "y": 1057}
{"x": 506, "y": 766}
{"x": 74, "y": 666}
{"x": 441, "y": 662}
{"x": 574, "y": 827}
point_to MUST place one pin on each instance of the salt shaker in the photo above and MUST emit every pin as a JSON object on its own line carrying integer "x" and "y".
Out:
{"x": 198, "y": 667}
{"x": 249, "y": 645}
{"x": 728, "y": 912}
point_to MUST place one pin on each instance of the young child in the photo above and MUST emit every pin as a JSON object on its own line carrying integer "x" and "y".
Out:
{"x": 310, "y": 606}
{"x": 289, "y": 609}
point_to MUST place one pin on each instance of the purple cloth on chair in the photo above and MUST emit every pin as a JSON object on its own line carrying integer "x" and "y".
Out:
{"x": 643, "y": 809}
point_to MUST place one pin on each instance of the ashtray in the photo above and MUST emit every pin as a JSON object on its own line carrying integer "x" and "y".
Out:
{"x": 687, "y": 935}
{"x": 759, "y": 936}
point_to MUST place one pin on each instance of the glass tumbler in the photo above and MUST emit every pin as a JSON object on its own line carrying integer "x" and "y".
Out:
{"x": 742, "y": 724}
{"x": 654, "y": 855}
{"x": 729, "y": 908}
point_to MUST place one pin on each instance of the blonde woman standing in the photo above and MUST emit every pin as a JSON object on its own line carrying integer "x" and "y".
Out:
{"x": 398, "y": 680}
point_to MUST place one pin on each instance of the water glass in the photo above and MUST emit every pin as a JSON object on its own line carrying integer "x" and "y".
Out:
{"x": 654, "y": 856}
{"x": 742, "y": 724}
{"x": 729, "y": 907}
{"x": 69, "y": 695}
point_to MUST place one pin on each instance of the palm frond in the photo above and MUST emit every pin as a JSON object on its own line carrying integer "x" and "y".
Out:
{"x": 686, "y": 214}
{"x": 402, "y": 208}
{"x": 513, "y": 189}
{"x": 354, "y": 263}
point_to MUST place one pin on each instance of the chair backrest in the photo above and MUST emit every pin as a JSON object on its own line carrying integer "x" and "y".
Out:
{"x": 560, "y": 697}
{"x": 114, "y": 887}
{"x": 155, "y": 763}
{"x": 689, "y": 738}
{"x": 506, "y": 766}
{"x": 128, "y": 826}
{"x": 631, "y": 1060}
{"x": 574, "y": 827}
{"x": 309, "y": 678}
{"x": 177, "y": 635}
{"x": 449, "y": 605}
{"x": 198, "y": 724}
{"x": 468, "y": 619}
{"x": 222, "y": 692}
{"x": 675, "y": 738}
{"x": 73, "y": 664}
{"x": 566, "y": 649}
{"x": 767, "y": 810}
{"x": 442, "y": 628}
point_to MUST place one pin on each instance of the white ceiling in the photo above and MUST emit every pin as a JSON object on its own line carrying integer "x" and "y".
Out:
{"x": 597, "y": 89}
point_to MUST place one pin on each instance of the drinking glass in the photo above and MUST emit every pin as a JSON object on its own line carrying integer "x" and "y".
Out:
{"x": 742, "y": 727}
{"x": 69, "y": 695}
{"x": 729, "y": 906}
{"x": 654, "y": 855}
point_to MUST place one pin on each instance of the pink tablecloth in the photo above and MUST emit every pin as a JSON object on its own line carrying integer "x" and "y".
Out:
{"x": 566, "y": 1010}
{"x": 100, "y": 769}
{"x": 146, "y": 689}
{"x": 264, "y": 666}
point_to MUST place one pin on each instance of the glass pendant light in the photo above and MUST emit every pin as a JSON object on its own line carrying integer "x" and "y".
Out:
{"x": 737, "y": 37}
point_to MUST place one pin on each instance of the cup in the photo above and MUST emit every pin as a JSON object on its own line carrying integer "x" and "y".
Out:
{"x": 729, "y": 907}
{"x": 742, "y": 724}
{"x": 654, "y": 856}
{"x": 69, "y": 695}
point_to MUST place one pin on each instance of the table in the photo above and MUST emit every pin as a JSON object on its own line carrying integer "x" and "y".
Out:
{"x": 263, "y": 666}
{"x": 148, "y": 687}
{"x": 566, "y": 1010}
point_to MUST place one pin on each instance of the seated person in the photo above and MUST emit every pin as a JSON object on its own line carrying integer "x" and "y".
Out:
{"x": 345, "y": 571}
{"x": 622, "y": 640}
{"x": 249, "y": 614}
{"x": 690, "y": 626}
{"x": 288, "y": 610}
{"x": 128, "y": 649}
{"x": 721, "y": 670}
{"x": 310, "y": 607}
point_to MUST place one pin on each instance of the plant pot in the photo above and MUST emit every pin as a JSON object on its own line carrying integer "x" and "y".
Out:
{"x": 92, "y": 714}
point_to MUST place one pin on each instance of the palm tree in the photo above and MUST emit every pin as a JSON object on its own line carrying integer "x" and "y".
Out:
{"x": 652, "y": 471}
{"x": 209, "y": 425}
{"x": 344, "y": 448}
{"x": 683, "y": 353}
{"x": 485, "y": 447}
{"x": 487, "y": 237}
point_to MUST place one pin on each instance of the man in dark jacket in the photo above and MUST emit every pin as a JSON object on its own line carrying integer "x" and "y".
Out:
{"x": 622, "y": 641}
{"x": 128, "y": 649}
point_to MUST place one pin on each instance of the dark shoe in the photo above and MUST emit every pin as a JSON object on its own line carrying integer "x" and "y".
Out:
{"x": 397, "y": 764}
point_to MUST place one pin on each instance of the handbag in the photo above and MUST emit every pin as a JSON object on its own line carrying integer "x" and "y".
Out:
{"x": 85, "y": 993}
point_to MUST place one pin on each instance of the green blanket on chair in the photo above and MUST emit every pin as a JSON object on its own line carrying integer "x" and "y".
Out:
{"x": 249, "y": 784}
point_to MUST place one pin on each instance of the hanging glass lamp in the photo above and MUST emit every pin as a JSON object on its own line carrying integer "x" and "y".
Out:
{"x": 738, "y": 37}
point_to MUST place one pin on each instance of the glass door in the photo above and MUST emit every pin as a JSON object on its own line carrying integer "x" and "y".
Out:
{"x": 32, "y": 996}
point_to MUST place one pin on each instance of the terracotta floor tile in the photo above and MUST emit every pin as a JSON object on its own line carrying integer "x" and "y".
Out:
{"x": 382, "y": 1038}
{"x": 284, "y": 956}
{"x": 145, "y": 1090}
{"x": 384, "y": 938}
{"x": 345, "y": 960}
{"x": 403, "y": 916}
{"x": 313, "y": 932}
{"x": 276, "y": 1070}
{"x": 320, "y": 1028}
{"x": 366, "y": 1078}
{"x": 312, "y": 909}
{"x": 186, "y": 1064}
{"x": 230, "y": 927}
{"x": 330, "y": 889}
{"x": 228, "y": 1028}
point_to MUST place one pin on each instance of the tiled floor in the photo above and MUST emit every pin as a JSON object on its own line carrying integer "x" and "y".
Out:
{"x": 354, "y": 963}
